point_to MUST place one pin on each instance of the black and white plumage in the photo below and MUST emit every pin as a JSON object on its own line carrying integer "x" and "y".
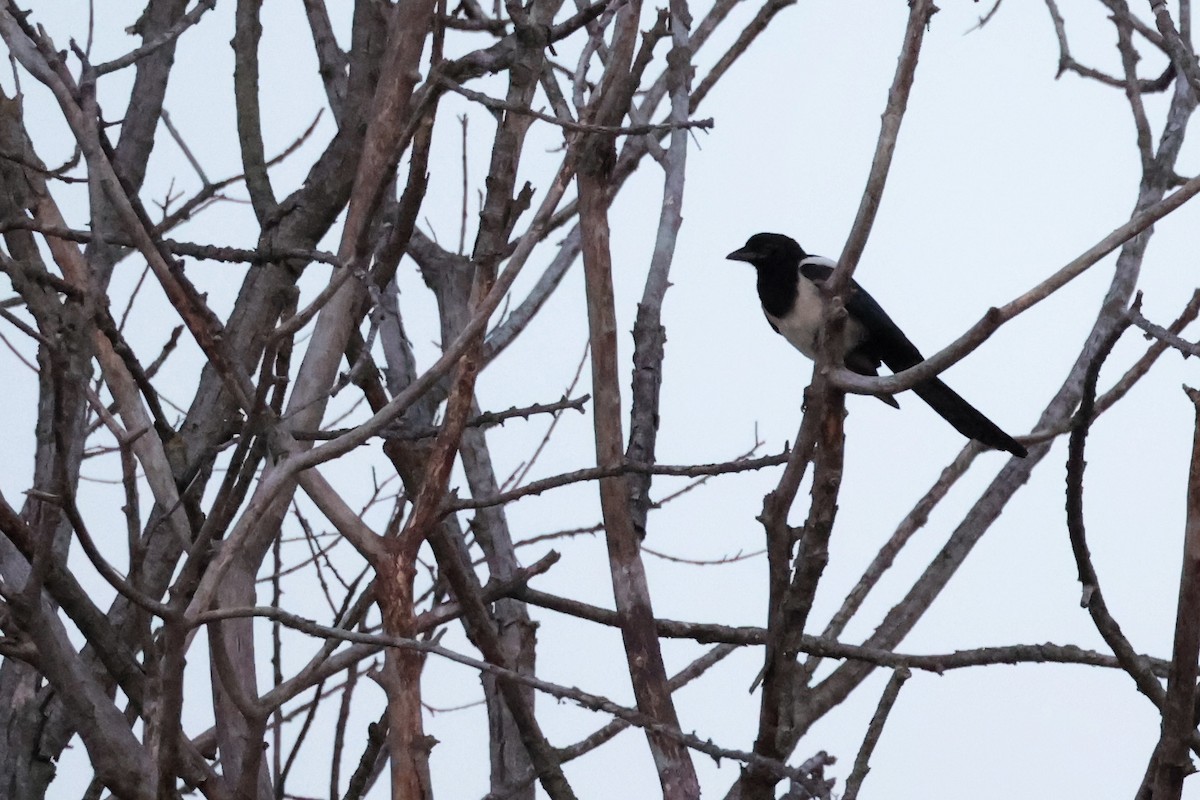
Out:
{"x": 789, "y": 288}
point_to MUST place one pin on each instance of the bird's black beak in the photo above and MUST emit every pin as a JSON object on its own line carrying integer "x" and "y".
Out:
{"x": 742, "y": 254}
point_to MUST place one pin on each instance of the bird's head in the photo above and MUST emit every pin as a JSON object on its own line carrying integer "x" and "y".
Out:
{"x": 766, "y": 249}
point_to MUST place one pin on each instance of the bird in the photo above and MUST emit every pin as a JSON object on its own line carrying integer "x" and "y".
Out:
{"x": 789, "y": 288}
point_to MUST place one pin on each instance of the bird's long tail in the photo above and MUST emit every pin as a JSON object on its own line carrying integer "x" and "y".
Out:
{"x": 966, "y": 419}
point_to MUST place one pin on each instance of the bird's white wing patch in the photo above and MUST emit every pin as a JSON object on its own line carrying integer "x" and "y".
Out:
{"x": 819, "y": 261}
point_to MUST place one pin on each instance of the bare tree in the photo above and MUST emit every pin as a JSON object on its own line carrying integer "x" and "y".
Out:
{"x": 264, "y": 533}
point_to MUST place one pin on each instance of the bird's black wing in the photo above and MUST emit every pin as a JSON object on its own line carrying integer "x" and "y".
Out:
{"x": 885, "y": 342}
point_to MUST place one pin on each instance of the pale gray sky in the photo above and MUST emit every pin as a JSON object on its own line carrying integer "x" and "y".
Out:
{"x": 1002, "y": 175}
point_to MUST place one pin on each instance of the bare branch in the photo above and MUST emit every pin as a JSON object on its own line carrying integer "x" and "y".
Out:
{"x": 875, "y": 729}
{"x": 171, "y": 34}
{"x": 996, "y": 317}
{"x": 1178, "y": 710}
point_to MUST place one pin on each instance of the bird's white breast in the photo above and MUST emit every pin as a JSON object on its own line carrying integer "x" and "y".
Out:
{"x": 802, "y": 325}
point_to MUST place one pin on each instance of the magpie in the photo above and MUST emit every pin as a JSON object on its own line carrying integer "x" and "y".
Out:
{"x": 789, "y": 287}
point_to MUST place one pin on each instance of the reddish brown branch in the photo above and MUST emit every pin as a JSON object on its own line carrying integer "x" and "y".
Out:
{"x": 596, "y": 154}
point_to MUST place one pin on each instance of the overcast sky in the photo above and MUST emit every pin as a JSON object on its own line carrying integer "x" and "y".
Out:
{"x": 1002, "y": 175}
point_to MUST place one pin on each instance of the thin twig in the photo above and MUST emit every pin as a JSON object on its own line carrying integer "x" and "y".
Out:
{"x": 594, "y": 473}
{"x": 875, "y": 729}
{"x": 587, "y": 700}
{"x": 171, "y": 34}
{"x": 488, "y": 419}
{"x": 569, "y": 125}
